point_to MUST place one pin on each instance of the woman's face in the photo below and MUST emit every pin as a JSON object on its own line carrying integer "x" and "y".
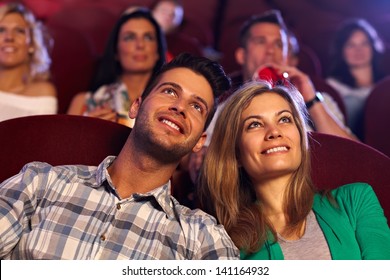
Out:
{"x": 270, "y": 143}
{"x": 15, "y": 41}
{"x": 358, "y": 50}
{"x": 137, "y": 46}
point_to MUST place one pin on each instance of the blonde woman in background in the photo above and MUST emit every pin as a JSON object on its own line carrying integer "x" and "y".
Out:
{"x": 25, "y": 88}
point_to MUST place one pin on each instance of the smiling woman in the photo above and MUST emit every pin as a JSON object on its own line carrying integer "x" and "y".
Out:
{"x": 256, "y": 180}
{"x": 25, "y": 88}
{"x": 135, "y": 50}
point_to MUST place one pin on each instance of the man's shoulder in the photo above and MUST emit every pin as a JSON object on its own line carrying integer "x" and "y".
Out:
{"x": 198, "y": 220}
{"x": 38, "y": 168}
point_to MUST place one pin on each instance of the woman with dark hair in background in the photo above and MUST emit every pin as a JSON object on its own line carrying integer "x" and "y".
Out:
{"x": 354, "y": 68}
{"x": 135, "y": 50}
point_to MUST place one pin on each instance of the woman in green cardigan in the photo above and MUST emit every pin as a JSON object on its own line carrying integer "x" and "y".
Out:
{"x": 256, "y": 181}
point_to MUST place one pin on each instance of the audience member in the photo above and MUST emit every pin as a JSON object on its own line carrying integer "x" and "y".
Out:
{"x": 264, "y": 43}
{"x": 293, "y": 60}
{"x": 169, "y": 14}
{"x": 25, "y": 88}
{"x": 256, "y": 181}
{"x": 354, "y": 67}
{"x": 135, "y": 50}
{"x": 122, "y": 209}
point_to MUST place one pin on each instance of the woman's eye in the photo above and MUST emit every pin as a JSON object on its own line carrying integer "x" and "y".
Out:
{"x": 21, "y": 30}
{"x": 149, "y": 37}
{"x": 286, "y": 120}
{"x": 129, "y": 37}
{"x": 254, "y": 125}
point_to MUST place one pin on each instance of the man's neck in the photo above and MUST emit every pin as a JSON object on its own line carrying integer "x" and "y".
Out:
{"x": 136, "y": 172}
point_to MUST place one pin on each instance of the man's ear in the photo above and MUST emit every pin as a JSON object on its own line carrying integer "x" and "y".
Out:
{"x": 240, "y": 55}
{"x": 200, "y": 143}
{"x": 134, "y": 108}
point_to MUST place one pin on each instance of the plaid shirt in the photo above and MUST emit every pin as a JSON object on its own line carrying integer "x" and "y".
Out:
{"x": 73, "y": 212}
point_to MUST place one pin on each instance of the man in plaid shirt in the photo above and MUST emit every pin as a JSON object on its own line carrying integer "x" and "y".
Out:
{"x": 122, "y": 209}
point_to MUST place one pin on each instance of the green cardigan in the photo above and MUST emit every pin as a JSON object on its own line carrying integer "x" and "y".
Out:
{"x": 356, "y": 229}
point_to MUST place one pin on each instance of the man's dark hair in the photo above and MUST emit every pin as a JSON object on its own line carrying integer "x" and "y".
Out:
{"x": 271, "y": 16}
{"x": 212, "y": 71}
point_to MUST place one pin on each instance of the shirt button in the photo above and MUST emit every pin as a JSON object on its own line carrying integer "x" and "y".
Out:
{"x": 103, "y": 237}
{"x": 118, "y": 206}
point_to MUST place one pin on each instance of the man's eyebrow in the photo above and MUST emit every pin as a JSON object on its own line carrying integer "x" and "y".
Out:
{"x": 174, "y": 85}
{"x": 179, "y": 88}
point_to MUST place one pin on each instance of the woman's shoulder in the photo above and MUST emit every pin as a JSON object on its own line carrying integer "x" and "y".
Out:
{"x": 348, "y": 192}
{"x": 77, "y": 105}
{"x": 41, "y": 88}
{"x": 354, "y": 193}
{"x": 357, "y": 187}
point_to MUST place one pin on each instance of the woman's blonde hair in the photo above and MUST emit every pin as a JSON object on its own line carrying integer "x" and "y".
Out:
{"x": 225, "y": 189}
{"x": 40, "y": 41}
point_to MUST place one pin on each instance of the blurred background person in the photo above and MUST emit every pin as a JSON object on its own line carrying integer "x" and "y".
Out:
{"x": 354, "y": 67}
{"x": 135, "y": 50}
{"x": 294, "y": 59}
{"x": 169, "y": 14}
{"x": 25, "y": 86}
{"x": 264, "y": 44}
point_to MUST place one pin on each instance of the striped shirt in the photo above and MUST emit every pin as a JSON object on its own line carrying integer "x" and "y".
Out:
{"x": 74, "y": 212}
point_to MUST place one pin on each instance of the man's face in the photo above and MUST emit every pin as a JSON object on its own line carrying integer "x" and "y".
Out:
{"x": 264, "y": 44}
{"x": 170, "y": 121}
{"x": 169, "y": 15}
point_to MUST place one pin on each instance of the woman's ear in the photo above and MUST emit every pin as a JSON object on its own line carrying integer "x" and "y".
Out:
{"x": 134, "y": 108}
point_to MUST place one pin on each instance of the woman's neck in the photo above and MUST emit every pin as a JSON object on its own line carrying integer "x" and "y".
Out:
{"x": 363, "y": 75}
{"x": 270, "y": 194}
{"x": 135, "y": 84}
{"x": 12, "y": 80}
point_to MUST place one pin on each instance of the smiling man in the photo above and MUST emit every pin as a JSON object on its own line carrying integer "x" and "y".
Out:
{"x": 123, "y": 209}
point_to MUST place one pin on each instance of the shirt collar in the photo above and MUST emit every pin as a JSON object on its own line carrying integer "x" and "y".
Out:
{"x": 161, "y": 194}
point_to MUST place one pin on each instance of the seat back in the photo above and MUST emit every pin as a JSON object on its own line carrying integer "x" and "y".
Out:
{"x": 73, "y": 64}
{"x": 57, "y": 140}
{"x": 338, "y": 161}
{"x": 377, "y": 118}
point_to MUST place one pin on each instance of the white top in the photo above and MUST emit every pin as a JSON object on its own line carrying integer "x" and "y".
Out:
{"x": 15, "y": 106}
{"x": 116, "y": 96}
{"x": 354, "y": 99}
{"x": 346, "y": 91}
